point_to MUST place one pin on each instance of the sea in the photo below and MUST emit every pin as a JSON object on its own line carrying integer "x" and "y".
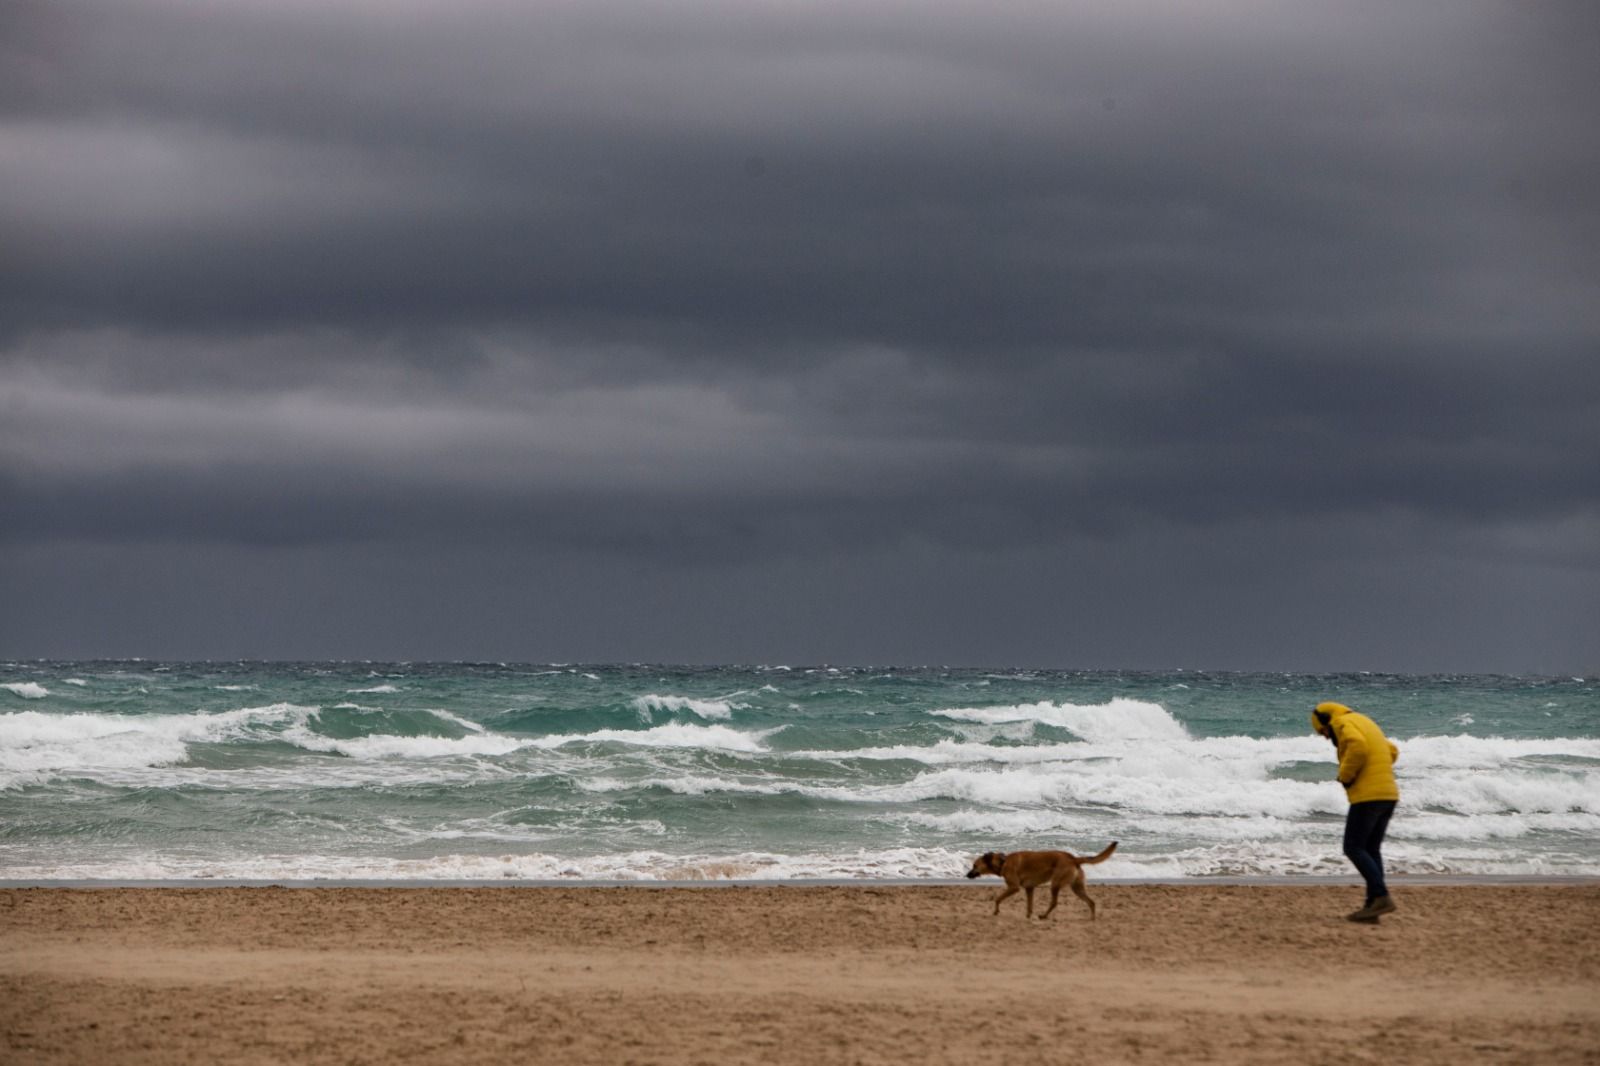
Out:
{"x": 487, "y": 772}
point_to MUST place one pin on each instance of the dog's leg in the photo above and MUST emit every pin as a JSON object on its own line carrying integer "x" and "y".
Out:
{"x": 1029, "y": 890}
{"x": 1077, "y": 890}
{"x": 1055, "y": 894}
{"x": 1064, "y": 871}
{"x": 1011, "y": 890}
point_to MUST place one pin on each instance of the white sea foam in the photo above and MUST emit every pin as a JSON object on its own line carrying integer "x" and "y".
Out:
{"x": 627, "y": 866}
{"x": 692, "y": 785}
{"x": 1219, "y": 756}
{"x": 35, "y": 746}
{"x": 464, "y": 723}
{"x": 713, "y": 708}
{"x": 28, "y": 690}
{"x": 1005, "y": 822}
{"x": 1486, "y": 753}
{"x": 474, "y": 829}
{"x": 321, "y": 775}
{"x": 668, "y": 735}
{"x": 1118, "y": 719}
{"x": 479, "y": 741}
{"x": 1316, "y": 858}
{"x": 1415, "y": 825}
{"x": 1077, "y": 829}
{"x": 949, "y": 752}
{"x": 1104, "y": 788}
{"x": 80, "y": 682}
{"x": 373, "y": 690}
{"x": 385, "y": 746}
{"x": 1476, "y": 794}
{"x": 1236, "y": 859}
{"x": 1041, "y": 786}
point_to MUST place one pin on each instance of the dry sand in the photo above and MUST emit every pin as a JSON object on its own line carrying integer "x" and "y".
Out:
{"x": 792, "y": 974}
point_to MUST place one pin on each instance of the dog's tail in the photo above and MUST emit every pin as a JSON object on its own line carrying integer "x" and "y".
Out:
{"x": 1102, "y": 857}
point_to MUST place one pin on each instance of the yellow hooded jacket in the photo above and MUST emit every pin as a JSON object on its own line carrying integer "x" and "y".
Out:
{"x": 1366, "y": 757}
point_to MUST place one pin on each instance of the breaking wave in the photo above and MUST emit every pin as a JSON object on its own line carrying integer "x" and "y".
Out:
{"x": 751, "y": 775}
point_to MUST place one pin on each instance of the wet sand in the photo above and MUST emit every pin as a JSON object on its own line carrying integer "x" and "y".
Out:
{"x": 797, "y": 974}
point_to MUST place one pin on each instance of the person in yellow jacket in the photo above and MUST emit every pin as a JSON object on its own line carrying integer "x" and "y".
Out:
{"x": 1366, "y": 770}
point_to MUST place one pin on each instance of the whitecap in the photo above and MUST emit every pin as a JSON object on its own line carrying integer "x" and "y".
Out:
{"x": 456, "y": 719}
{"x": 690, "y": 785}
{"x": 669, "y": 735}
{"x": 1118, "y": 719}
{"x": 36, "y": 746}
{"x": 388, "y": 746}
{"x": 705, "y": 708}
{"x": 1486, "y": 753}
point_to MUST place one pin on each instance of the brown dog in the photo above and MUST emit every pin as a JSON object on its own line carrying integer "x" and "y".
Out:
{"x": 1027, "y": 870}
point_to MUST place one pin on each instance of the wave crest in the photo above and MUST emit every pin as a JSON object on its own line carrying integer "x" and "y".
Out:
{"x": 1111, "y": 722}
{"x": 714, "y": 708}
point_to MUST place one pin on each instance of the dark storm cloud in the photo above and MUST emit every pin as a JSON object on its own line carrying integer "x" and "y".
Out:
{"x": 751, "y": 282}
{"x": 998, "y": 181}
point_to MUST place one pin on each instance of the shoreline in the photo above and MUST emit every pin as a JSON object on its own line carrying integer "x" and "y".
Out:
{"x": 1265, "y": 880}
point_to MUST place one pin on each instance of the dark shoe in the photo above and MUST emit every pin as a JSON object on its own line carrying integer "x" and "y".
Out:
{"x": 1362, "y": 916}
{"x": 1379, "y": 906}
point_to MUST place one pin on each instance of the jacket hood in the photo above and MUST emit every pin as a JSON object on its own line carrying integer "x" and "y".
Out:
{"x": 1329, "y": 711}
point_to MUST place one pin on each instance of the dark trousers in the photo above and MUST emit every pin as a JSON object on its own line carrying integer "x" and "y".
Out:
{"x": 1364, "y": 827}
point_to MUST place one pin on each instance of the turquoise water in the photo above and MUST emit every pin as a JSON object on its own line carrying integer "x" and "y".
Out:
{"x": 134, "y": 770}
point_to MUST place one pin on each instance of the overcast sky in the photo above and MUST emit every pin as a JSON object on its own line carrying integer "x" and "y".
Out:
{"x": 1234, "y": 335}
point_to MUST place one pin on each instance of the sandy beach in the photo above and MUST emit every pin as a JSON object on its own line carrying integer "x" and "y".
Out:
{"x": 796, "y": 974}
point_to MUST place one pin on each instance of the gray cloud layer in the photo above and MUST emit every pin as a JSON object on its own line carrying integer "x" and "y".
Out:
{"x": 752, "y": 296}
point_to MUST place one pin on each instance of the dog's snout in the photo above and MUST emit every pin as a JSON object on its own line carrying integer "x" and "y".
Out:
{"x": 972, "y": 873}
